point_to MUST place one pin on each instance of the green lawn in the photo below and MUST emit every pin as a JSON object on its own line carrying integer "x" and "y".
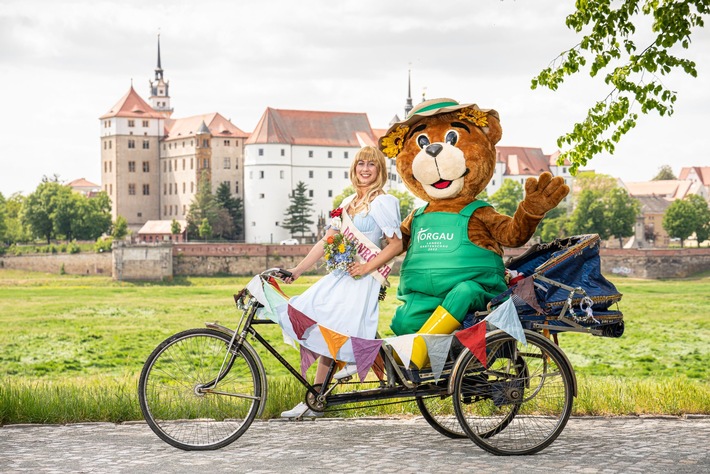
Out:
{"x": 63, "y": 332}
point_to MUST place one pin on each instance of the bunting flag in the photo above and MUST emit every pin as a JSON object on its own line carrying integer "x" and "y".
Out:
{"x": 307, "y": 359}
{"x": 505, "y": 318}
{"x": 402, "y": 346}
{"x": 301, "y": 323}
{"x": 438, "y": 348}
{"x": 365, "y": 351}
{"x": 274, "y": 303}
{"x": 335, "y": 340}
{"x": 525, "y": 290}
{"x": 474, "y": 339}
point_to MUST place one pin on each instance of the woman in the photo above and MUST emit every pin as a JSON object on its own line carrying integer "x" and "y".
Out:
{"x": 348, "y": 303}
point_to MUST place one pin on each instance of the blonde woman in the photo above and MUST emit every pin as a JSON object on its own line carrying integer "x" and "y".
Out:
{"x": 338, "y": 301}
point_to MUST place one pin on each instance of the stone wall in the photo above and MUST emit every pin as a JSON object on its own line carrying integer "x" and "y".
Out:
{"x": 73, "y": 264}
{"x": 157, "y": 262}
{"x": 142, "y": 262}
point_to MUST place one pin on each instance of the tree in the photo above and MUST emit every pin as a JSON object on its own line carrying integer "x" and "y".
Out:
{"x": 609, "y": 43}
{"x": 205, "y": 229}
{"x": 665, "y": 173}
{"x": 39, "y": 207}
{"x": 175, "y": 227}
{"x": 621, "y": 213}
{"x": 120, "y": 228}
{"x": 235, "y": 210}
{"x": 588, "y": 216}
{"x": 680, "y": 220}
{"x": 203, "y": 206}
{"x": 3, "y": 218}
{"x": 298, "y": 214}
{"x": 80, "y": 217}
{"x": 15, "y": 231}
{"x": 406, "y": 199}
{"x": 702, "y": 212}
{"x": 507, "y": 198}
{"x": 589, "y": 180}
{"x": 553, "y": 225}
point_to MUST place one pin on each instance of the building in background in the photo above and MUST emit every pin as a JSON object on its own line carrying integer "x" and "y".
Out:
{"x": 151, "y": 164}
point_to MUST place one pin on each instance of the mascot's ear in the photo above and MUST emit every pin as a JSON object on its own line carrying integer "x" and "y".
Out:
{"x": 487, "y": 120}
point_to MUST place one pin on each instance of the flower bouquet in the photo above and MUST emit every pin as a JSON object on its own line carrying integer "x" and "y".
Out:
{"x": 339, "y": 252}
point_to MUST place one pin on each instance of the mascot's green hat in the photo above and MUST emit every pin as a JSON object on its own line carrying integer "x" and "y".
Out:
{"x": 391, "y": 142}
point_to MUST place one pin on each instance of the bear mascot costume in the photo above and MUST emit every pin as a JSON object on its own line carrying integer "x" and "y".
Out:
{"x": 445, "y": 154}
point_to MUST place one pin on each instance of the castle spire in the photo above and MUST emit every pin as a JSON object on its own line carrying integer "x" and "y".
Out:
{"x": 159, "y": 69}
{"x": 408, "y": 105}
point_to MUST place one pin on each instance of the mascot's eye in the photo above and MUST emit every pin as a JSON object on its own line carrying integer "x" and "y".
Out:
{"x": 422, "y": 140}
{"x": 452, "y": 136}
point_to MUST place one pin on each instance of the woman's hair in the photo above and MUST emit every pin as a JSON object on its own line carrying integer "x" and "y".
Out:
{"x": 373, "y": 154}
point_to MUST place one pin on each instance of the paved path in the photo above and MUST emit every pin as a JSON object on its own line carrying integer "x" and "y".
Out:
{"x": 587, "y": 445}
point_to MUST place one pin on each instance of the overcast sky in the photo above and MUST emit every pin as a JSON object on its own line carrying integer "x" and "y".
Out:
{"x": 64, "y": 64}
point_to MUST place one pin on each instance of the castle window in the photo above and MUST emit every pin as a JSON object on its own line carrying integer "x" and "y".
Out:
{"x": 310, "y": 193}
{"x": 330, "y": 175}
{"x": 146, "y": 144}
{"x": 345, "y": 154}
{"x": 261, "y": 195}
{"x": 183, "y": 187}
{"x": 310, "y": 153}
{"x": 192, "y": 186}
{"x": 281, "y": 174}
{"x": 330, "y": 154}
{"x": 105, "y": 145}
{"x": 346, "y": 175}
{"x": 110, "y": 144}
{"x": 205, "y": 143}
{"x": 183, "y": 143}
{"x": 110, "y": 166}
{"x": 131, "y": 189}
{"x": 226, "y": 143}
{"x": 261, "y": 152}
{"x": 146, "y": 167}
{"x": 110, "y": 189}
{"x": 261, "y": 175}
{"x": 283, "y": 152}
{"x": 226, "y": 163}
{"x": 131, "y": 143}
{"x": 131, "y": 123}
{"x": 131, "y": 166}
{"x": 205, "y": 163}
{"x": 105, "y": 166}
{"x": 146, "y": 124}
{"x": 236, "y": 187}
{"x": 330, "y": 193}
{"x": 310, "y": 173}
{"x": 183, "y": 164}
{"x": 192, "y": 162}
{"x": 146, "y": 190}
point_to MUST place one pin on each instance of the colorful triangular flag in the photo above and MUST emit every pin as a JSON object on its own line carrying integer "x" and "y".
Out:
{"x": 438, "y": 348}
{"x": 402, "y": 346}
{"x": 307, "y": 359}
{"x": 474, "y": 339}
{"x": 299, "y": 321}
{"x": 365, "y": 351}
{"x": 334, "y": 339}
{"x": 505, "y": 318}
{"x": 525, "y": 290}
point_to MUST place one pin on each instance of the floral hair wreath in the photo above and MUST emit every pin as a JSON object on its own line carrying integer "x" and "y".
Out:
{"x": 393, "y": 142}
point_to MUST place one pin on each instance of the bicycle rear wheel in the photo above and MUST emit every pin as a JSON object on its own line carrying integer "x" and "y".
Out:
{"x": 439, "y": 412}
{"x": 195, "y": 394}
{"x": 521, "y": 401}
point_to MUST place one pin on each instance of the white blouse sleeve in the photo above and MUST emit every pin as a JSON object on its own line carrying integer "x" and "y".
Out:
{"x": 385, "y": 211}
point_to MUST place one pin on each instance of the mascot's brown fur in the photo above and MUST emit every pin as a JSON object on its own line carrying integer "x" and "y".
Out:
{"x": 446, "y": 155}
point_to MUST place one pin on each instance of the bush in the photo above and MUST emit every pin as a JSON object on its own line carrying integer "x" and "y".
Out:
{"x": 73, "y": 247}
{"x": 103, "y": 244}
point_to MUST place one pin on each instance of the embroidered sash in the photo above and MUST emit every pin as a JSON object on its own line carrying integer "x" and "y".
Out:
{"x": 366, "y": 249}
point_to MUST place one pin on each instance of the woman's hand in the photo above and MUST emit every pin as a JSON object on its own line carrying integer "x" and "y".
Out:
{"x": 357, "y": 269}
{"x": 294, "y": 275}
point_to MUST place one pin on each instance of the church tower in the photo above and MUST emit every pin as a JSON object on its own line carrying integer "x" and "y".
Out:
{"x": 159, "y": 96}
{"x": 408, "y": 105}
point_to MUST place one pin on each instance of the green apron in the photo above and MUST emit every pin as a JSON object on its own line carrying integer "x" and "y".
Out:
{"x": 444, "y": 268}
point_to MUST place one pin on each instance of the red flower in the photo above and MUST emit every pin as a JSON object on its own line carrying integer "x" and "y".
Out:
{"x": 336, "y": 212}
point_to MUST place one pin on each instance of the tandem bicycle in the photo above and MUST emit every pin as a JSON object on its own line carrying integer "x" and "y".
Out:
{"x": 202, "y": 388}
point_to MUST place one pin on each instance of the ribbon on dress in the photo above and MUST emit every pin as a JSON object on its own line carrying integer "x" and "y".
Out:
{"x": 366, "y": 249}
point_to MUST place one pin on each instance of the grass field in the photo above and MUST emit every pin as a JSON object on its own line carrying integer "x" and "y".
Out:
{"x": 72, "y": 347}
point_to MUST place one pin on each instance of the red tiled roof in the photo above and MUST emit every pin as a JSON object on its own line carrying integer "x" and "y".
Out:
{"x": 82, "y": 183}
{"x": 131, "y": 105}
{"x": 218, "y": 125}
{"x": 303, "y": 127}
{"x": 703, "y": 173}
{"x": 523, "y": 160}
{"x": 667, "y": 188}
{"x": 161, "y": 227}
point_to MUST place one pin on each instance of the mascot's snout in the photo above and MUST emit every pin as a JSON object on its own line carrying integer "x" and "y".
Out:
{"x": 440, "y": 168}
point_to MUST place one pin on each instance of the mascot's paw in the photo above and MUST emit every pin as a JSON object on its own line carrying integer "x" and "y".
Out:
{"x": 544, "y": 193}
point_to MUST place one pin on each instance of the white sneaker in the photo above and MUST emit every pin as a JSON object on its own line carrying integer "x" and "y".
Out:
{"x": 347, "y": 371}
{"x": 301, "y": 411}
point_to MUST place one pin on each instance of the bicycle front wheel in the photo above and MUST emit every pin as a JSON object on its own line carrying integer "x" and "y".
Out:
{"x": 196, "y": 393}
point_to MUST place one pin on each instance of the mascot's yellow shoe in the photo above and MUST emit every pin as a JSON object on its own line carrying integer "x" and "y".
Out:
{"x": 440, "y": 322}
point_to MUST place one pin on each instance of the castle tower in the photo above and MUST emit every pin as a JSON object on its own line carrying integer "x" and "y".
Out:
{"x": 159, "y": 95}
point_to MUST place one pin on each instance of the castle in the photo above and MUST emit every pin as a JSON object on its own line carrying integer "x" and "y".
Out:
{"x": 151, "y": 163}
